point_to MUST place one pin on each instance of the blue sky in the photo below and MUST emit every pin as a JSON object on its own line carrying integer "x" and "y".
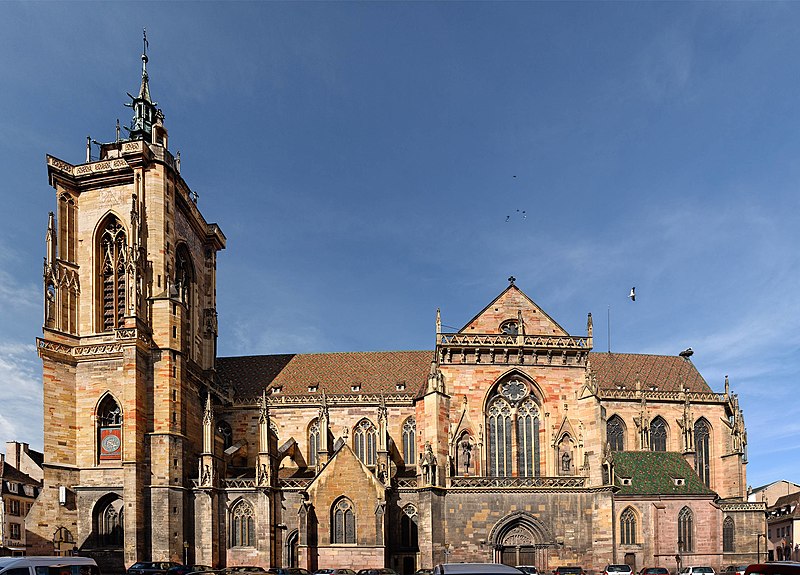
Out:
{"x": 363, "y": 158}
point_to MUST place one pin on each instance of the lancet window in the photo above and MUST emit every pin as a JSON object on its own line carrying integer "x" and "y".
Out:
{"x": 343, "y": 522}
{"x": 728, "y": 533}
{"x": 615, "y": 433}
{"x": 702, "y": 445}
{"x": 686, "y": 530}
{"x": 658, "y": 434}
{"x": 627, "y": 527}
{"x": 512, "y": 425}
{"x": 243, "y": 525}
{"x": 313, "y": 443}
{"x": 408, "y": 528}
{"x": 364, "y": 441}
{"x": 113, "y": 250}
{"x": 410, "y": 441}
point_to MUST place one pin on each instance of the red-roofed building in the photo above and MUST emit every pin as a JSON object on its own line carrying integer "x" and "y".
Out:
{"x": 496, "y": 445}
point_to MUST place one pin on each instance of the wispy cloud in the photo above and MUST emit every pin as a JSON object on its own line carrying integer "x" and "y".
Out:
{"x": 20, "y": 394}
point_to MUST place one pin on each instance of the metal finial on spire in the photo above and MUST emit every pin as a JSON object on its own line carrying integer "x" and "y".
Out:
{"x": 511, "y": 280}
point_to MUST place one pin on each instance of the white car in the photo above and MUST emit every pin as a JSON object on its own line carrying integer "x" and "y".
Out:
{"x": 697, "y": 570}
{"x": 618, "y": 569}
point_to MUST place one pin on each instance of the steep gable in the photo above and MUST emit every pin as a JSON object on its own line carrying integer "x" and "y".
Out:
{"x": 507, "y": 307}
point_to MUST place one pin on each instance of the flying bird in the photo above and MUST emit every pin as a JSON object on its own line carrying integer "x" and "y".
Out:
{"x": 508, "y": 218}
{"x": 632, "y": 295}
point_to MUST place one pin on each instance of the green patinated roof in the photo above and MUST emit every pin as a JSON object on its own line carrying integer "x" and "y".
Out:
{"x": 653, "y": 473}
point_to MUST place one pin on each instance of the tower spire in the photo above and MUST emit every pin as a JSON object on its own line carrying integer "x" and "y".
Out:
{"x": 145, "y": 111}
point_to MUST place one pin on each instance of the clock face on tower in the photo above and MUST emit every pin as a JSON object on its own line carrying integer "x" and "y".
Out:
{"x": 110, "y": 443}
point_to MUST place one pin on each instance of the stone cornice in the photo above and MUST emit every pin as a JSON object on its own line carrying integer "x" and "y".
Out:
{"x": 313, "y": 400}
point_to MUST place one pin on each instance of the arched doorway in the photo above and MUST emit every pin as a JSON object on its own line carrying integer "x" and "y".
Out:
{"x": 108, "y": 522}
{"x": 521, "y": 539}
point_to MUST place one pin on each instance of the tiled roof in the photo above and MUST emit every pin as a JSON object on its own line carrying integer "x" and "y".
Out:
{"x": 380, "y": 372}
{"x": 11, "y": 473}
{"x": 654, "y": 472}
{"x": 335, "y": 373}
{"x": 666, "y": 372}
{"x": 784, "y": 500}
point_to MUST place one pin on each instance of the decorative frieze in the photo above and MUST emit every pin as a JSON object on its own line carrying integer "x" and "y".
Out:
{"x": 86, "y": 169}
{"x": 519, "y": 482}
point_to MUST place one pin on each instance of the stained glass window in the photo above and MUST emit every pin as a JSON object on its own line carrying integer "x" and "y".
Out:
{"x": 627, "y": 527}
{"x": 364, "y": 442}
{"x": 243, "y": 525}
{"x": 686, "y": 530}
{"x": 410, "y": 441}
{"x": 499, "y": 427}
{"x": 615, "y": 433}
{"x": 658, "y": 434}
{"x": 313, "y": 442}
{"x": 728, "y": 545}
{"x": 528, "y": 439}
{"x": 701, "y": 446}
{"x": 344, "y": 522}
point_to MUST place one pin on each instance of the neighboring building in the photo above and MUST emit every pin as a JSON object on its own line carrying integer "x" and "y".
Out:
{"x": 509, "y": 441}
{"x": 19, "y": 490}
{"x": 770, "y": 492}
{"x": 783, "y": 521}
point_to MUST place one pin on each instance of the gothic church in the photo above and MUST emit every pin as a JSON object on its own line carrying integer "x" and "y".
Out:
{"x": 511, "y": 441}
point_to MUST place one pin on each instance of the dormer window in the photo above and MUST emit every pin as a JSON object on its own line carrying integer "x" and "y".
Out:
{"x": 510, "y": 327}
{"x": 276, "y": 390}
{"x": 13, "y": 487}
{"x": 627, "y": 481}
{"x": 355, "y": 387}
{"x": 679, "y": 481}
{"x": 400, "y": 386}
{"x": 312, "y": 389}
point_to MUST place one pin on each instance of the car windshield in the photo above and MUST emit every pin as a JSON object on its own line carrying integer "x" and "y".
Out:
{"x": 703, "y": 570}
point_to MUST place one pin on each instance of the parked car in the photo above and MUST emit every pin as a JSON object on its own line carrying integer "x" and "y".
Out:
{"x": 528, "y": 569}
{"x": 334, "y": 572}
{"x": 696, "y": 569}
{"x": 777, "y": 568}
{"x": 423, "y": 572}
{"x": 735, "y": 569}
{"x": 245, "y": 569}
{"x": 288, "y": 571}
{"x": 38, "y": 564}
{"x": 475, "y": 569}
{"x": 654, "y": 571}
{"x": 151, "y": 567}
{"x": 569, "y": 570}
{"x": 617, "y": 569}
{"x": 377, "y": 571}
{"x": 185, "y": 569}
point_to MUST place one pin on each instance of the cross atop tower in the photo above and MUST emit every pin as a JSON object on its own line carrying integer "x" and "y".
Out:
{"x": 145, "y": 111}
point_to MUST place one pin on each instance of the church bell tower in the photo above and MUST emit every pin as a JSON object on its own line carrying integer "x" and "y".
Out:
{"x": 128, "y": 346}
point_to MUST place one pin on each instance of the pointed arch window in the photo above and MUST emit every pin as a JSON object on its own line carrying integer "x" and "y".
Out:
{"x": 728, "y": 532}
{"x": 409, "y": 534}
{"x": 109, "y": 428}
{"x": 313, "y": 443}
{"x": 343, "y": 522}
{"x": 686, "y": 530}
{"x": 627, "y": 527}
{"x": 243, "y": 525}
{"x": 615, "y": 433}
{"x": 498, "y": 425}
{"x": 364, "y": 441}
{"x": 113, "y": 249}
{"x": 702, "y": 444}
{"x": 410, "y": 441}
{"x": 658, "y": 434}
{"x": 528, "y": 438}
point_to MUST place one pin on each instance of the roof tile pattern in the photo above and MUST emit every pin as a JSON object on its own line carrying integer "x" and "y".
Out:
{"x": 335, "y": 373}
{"x": 380, "y": 372}
{"x": 654, "y": 472}
{"x": 666, "y": 372}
